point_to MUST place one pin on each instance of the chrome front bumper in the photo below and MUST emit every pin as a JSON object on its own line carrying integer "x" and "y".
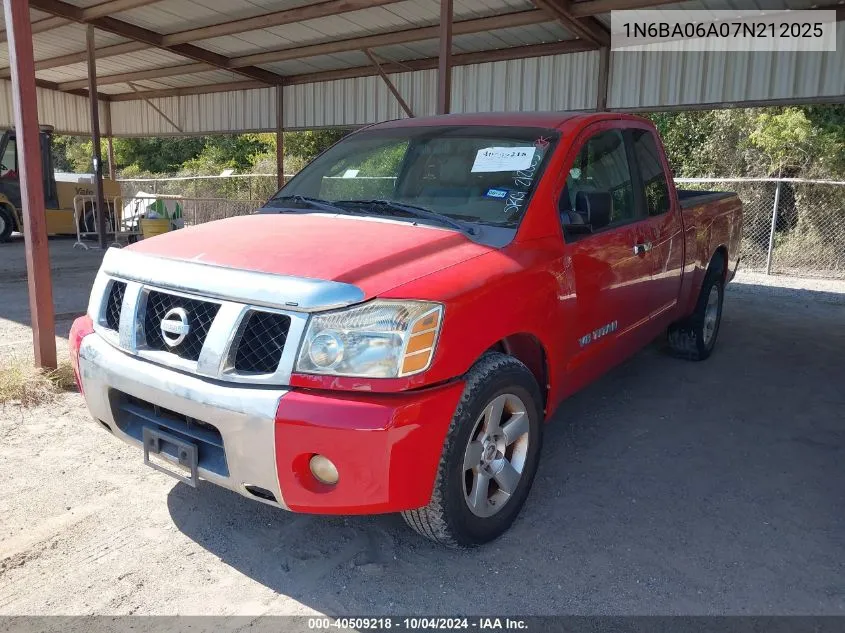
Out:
{"x": 245, "y": 416}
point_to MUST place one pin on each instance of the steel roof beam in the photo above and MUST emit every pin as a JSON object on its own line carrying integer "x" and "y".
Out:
{"x": 587, "y": 28}
{"x": 139, "y": 34}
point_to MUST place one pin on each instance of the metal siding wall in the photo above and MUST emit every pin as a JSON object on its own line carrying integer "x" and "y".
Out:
{"x": 243, "y": 110}
{"x": 650, "y": 79}
{"x": 69, "y": 114}
{"x": 348, "y": 102}
{"x": 560, "y": 82}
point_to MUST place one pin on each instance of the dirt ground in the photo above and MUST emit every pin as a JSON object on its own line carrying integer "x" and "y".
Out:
{"x": 667, "y": 487}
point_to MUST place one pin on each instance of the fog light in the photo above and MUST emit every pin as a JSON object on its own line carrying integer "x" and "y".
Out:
{"x": 323, "y": 470}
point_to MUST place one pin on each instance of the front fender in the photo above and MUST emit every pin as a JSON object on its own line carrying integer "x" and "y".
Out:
{"x": 487, "y": 299}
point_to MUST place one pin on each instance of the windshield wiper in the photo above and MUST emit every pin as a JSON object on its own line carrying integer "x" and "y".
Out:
{"x": 416, "y": 211}
{"x": 310, "y": 203}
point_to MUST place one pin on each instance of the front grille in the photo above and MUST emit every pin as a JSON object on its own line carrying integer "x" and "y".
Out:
{"x": 114, "y": 304}
{"x": 262, "y": 342}
{"x": 200, "y": 316}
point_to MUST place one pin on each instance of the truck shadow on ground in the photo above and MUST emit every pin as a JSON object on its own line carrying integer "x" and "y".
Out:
{"x": 666, "y": 487}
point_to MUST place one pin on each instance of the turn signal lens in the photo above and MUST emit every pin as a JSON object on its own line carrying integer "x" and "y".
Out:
{"x": 323, "y": 470}
{"x": 420, "y": 347}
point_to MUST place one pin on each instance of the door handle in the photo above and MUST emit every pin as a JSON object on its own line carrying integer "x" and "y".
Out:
{"x": 642, "y": 249}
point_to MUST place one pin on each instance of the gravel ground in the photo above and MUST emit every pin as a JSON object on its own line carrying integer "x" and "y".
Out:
{"x": 667, "y": 487}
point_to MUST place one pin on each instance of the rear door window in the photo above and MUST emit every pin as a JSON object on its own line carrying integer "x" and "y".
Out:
{"x": 651, "y": 172}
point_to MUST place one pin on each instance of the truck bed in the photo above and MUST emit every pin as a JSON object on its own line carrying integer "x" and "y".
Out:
{"x": 691, "y": 197}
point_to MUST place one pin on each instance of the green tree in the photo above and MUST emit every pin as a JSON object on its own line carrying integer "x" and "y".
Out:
{"x": 787, "y": 139}
{"x": 306, "y": 145}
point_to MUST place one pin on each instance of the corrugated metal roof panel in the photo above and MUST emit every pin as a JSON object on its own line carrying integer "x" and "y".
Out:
{"x": 560, "y": 82}
{"x": 195, "y": 79}
{"x": 179, "y": 15}
{"x": 392, "y": 17}
{"x": 68, "y": 39}
{"x": 352, "y": 59}
{"x": 514, "y": 36}
{"x": 489, "y": 40}
{"x": 34, "y": 16}
{"x": 650, "y": 79}
{"x": 140, "y": 60}
{"x": 411, "y": 50}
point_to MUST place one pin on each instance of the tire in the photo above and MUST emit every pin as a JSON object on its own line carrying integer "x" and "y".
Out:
{"x": 452, "y": 518}
{"x": 7, "y": 225}
{"x": 695, "y": 337}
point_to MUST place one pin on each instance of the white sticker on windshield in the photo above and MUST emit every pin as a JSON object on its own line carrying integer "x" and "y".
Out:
{"x": 503, "y": 159}
{"x": 351, "y": 173}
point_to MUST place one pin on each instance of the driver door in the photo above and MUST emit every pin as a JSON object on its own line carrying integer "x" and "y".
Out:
{"x": 610, "y": 276}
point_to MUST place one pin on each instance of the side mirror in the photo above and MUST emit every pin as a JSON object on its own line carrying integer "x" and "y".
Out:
{"x": 595, "y": 207}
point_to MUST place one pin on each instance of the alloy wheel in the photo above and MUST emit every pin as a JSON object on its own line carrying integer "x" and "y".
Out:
{"x": 494, "y": 459}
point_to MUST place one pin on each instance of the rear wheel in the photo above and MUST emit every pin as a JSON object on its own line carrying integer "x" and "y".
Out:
{"x": 489, "y": 458}
{"x": 695, "y": 337}
{"x": 7, "y": 224}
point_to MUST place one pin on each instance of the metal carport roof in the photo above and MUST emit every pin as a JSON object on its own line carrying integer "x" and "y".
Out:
{"x": 205, "y": 66}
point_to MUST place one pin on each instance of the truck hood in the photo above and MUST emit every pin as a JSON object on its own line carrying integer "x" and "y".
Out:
{"x": 373, "y": 254}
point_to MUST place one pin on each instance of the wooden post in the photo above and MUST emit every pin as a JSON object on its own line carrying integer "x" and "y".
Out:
{"x": 95, "y": 138}
{"x": 107, "y": 117}
{"x": 444, "y": 66}
{"x": 22, "y": 62}
{"x": 280, "y": 137}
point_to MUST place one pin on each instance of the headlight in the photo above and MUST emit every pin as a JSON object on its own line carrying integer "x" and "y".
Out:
{"x": 380, "y": 339}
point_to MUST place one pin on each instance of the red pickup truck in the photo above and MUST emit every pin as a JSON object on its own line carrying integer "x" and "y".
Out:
{"x": 390, "y": 332}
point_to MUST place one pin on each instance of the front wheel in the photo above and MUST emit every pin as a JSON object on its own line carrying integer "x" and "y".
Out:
{"x": 489, "y": 458}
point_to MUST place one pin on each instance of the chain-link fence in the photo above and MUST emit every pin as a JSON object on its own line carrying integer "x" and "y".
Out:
{"x": 240, "y": 187}
{"x": 791, "y": 226}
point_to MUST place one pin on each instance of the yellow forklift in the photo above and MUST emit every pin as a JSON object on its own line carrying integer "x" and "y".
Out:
{"x": 58, "y": 196}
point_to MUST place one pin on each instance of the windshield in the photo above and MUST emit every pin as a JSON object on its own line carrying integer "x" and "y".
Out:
{"x": 470, "y": 174}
